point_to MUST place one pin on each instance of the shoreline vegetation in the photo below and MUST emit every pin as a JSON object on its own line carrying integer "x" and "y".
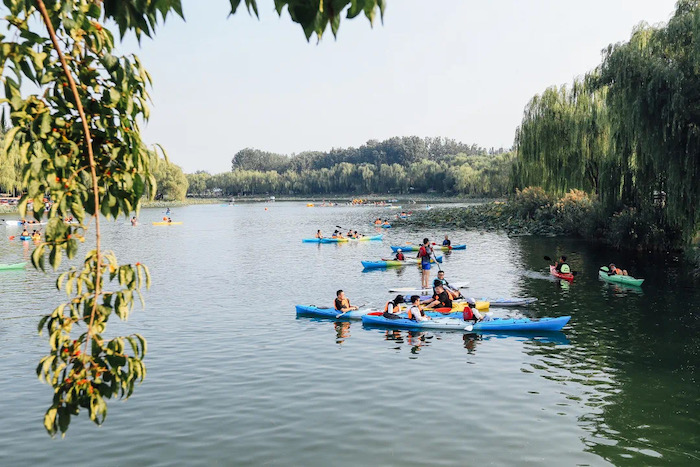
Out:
{"x": 534, "y": 212}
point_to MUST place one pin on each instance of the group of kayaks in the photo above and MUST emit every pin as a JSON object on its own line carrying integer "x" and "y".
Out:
{"x": 603, "y": 273}
{"x": 394, "y": 263}
{"x": 341, "y": 239}
{"x": 450, "y": 321}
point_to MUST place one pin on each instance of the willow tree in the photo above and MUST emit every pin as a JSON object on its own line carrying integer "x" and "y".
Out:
{"x": 562, "y": 140}
{"x": 653, "y": 97}
{"x": 79, "y": 140}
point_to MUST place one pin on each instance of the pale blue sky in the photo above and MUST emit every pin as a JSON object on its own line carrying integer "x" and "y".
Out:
{"x": 461, "y": 69}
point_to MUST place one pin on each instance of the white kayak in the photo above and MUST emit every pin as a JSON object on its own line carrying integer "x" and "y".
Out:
{"x": 23, "y": 224}
{"x": 428, "y": 291}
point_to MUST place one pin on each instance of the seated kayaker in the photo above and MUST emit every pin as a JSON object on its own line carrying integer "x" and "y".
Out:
{"x": 615, "y": 271}
{"x": 454, "y": 293}
{"x": 471, "y": 314}
{"x": 342, "y": 303}
{"x": 378, "y": 221}
{"x": 318, "y": 234}
{"x": 386, "y": 222}
{"x": 170, "y": 220}
{"x": 357, "y": 235}
{"x": 399, "y": 255}
{"x": 441, "y": 298}
{"x": 561, "y": 266}
{"x": 415, "y": 312}
{"x": 335, "y": 234}
{"x": 350, "y": 235}
{"x": 25, "y": 232}
{"x": 392, "y": 308}
{"x": 446, "y": 242}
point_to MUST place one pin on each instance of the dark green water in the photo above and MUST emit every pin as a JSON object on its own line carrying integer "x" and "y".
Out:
{"x": 235, "y": 378}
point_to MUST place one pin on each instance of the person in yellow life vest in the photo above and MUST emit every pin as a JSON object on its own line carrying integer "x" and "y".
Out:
{"x": 615, "y": 271}
{"x": 562, "y": 266}
{"x": 342, "y": 303}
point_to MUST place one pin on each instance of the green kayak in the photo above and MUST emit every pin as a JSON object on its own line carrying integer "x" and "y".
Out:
{"x": 7, "y": 267}
{"x": 618, "y": 279}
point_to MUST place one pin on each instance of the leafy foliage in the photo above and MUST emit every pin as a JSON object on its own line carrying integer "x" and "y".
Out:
{"x": 628, "y": 132}
{"x": 77, "y": 139}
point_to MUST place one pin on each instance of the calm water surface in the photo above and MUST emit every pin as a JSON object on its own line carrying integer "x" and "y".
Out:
{"x": 234, "y": 378}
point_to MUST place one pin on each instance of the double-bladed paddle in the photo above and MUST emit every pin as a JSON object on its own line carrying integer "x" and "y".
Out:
{"x": 343, "y": 313}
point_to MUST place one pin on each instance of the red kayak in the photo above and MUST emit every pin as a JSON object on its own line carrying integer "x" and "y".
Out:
{"x": 561, "y": 275}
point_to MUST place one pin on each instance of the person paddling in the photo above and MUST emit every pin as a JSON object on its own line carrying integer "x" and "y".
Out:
{"x": 424, "y": 253}
{"x": 562, "y": 266}
{"x": 393, "y": 308}
{"x": 342, "y": 303}
{"x": 415, "y": 311}
{"x": 446, "y": 242}
{"x": 399, "y": 255}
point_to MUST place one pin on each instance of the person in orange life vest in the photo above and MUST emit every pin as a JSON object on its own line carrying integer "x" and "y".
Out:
{"x": 441, "y": 298}
{"x": 615, "y": 271}
{"x": 392, "y": 308}
{"x": 415, "y": 311}
{"x": 342, "y": 303}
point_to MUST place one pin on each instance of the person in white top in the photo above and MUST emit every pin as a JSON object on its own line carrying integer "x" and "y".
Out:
{"x": 415, "y": 312}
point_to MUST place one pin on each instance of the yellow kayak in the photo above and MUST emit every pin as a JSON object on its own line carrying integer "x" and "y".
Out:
{"x": 167, "y": 223}
{"x": 458, "y": 306}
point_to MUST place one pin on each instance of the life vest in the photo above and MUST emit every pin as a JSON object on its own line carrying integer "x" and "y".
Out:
{"x": 399, "y": 256}
{"x": 423, "y": 251}
{"x": 617, "y": 271}
{"x": 565, "y": 269}
{"x": 410, "y": 315}
{"x": 468, "y": 314}
{"x": 386, "y": 307}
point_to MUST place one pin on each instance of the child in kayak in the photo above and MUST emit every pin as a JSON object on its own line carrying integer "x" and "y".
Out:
{"x": 415, "y": 312}
{"x": 392, "y": 308}
{"x": 615, "y": 271}
{"x": 399, "y": 255}
{"x": 342, "y": 303}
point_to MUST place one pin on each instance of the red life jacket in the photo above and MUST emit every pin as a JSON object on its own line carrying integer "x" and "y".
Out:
{"x": 468, "y": 314}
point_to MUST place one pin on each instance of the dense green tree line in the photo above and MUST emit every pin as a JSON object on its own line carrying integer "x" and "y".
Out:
{"x": 397, "y": 165}
{"x": 171, "y": 183}
{"x": 629, "y": 131}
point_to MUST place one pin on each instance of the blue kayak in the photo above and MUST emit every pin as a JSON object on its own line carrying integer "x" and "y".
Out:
{"x": 456, "y": 324}
{"x": 494, "y": 302}
{"x": 311, "y": 240}
{"x": 386, "y": 226}
{"x": 328, "y": 312}
{"x": 392, "y": 263}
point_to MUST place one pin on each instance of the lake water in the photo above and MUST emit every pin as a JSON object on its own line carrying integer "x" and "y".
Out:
{"x": 235, "y": 378}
